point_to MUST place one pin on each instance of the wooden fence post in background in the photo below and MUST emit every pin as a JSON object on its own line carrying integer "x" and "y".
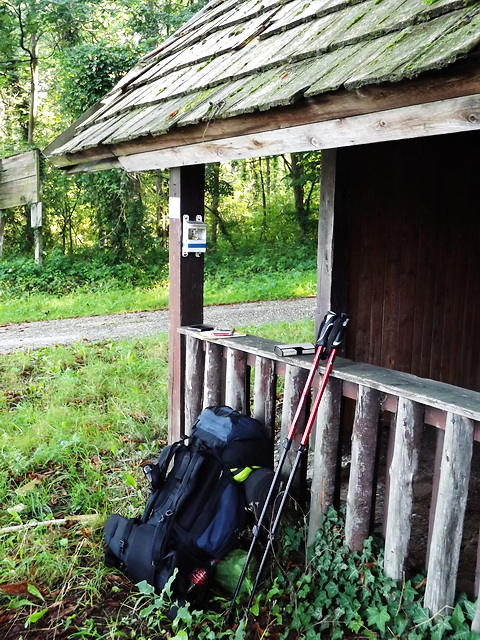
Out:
{"x": 36, "y": 220}
{"x": 295, "y": 379}
{"x": 408, "y": 427}
{"x": 2, "y": 233}
{"x": 449, "y": 514}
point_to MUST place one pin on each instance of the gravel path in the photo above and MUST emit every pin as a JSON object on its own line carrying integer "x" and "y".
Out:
{"x": 32, "y": 335}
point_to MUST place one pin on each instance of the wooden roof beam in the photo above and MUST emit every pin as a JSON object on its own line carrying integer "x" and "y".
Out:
{"x": 432, "y": 87}
{"x": 447, "y": 116}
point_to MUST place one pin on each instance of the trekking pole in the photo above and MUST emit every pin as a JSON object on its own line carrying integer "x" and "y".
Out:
{"x": 341, "y": 323}
{"x": 321, "y": 343}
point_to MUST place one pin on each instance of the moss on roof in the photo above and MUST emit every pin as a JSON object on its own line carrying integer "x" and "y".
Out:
{"x": 239, "y": 56}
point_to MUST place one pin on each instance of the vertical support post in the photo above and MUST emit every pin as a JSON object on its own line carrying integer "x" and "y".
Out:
{"x": 2, "y": 233}
{"x": 295, "y": 379}
{"x": 236, "y": 380}
{"x": 213, "y": 386}
{"x": 449, "y": 514}
{"x": 332, "y": 254}
{"x": 440, "y": 437}
{"x": 390, "y": 448}
{"x": 325, "y": 459}
{"x": 186, "y": 285}
{"x": 194, "y": 372}
{"x": 36, "y": 223}
{"x": 362, "y": 472}
{"x": 264, "y": 393}
{"x": 402, "y": 471}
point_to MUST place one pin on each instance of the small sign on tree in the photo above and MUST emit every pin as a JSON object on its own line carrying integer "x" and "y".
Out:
{"x": 20, "y": 186}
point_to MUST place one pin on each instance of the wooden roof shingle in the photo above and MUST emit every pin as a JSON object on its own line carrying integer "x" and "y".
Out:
{"x": 240, "y": 56}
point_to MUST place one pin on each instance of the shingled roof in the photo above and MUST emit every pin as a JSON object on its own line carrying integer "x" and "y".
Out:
{"x": 242, "y": 56}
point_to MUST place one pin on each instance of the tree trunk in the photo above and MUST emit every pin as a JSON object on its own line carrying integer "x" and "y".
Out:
{"x": 298, "y": 192}
{"x": 2, "y": 233}
{"x": 32, "y": 114}
{"x": 215, "y": 201}
{"x": 161, "y": 211}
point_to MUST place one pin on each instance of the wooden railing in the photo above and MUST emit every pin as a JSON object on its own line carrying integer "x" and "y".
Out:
{"x": 244, "y": 373}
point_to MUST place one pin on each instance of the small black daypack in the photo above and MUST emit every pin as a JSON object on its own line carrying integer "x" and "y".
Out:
{"x": 197, "y": 507}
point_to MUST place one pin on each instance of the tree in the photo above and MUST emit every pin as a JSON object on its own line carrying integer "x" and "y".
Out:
{"x": 30, "y": 22}
{"x": 304, "y": 175}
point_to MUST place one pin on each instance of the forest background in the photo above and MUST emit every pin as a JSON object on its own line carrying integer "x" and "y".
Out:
{"x": 107, "y": 232}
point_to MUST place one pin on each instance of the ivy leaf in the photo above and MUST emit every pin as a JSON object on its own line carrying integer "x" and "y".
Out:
{"x": 419, "y": 615}
{"x": 458, "y": 617}
{"x": 378, "y": 617}
{"x": 465, "y": 633}
{"x": 409, "y": 593}
{"x": 331, "y": 589}
{"x": 470, "y": 608}
{"x": 439, "y": 629}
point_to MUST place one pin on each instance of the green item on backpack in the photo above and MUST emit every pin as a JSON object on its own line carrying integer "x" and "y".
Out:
{"x": 229, "y": 570}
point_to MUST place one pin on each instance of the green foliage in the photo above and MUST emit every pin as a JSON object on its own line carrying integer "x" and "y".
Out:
{"x": 90, "y": 284}
{"x": 154, "y": 21}
{"x": 331, "y": 593}
{"x": 62, "y": 273}
{"x": 89, "y": 71}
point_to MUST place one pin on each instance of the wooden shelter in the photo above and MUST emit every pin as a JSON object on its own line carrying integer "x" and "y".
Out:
{"x": 390, "y": 92}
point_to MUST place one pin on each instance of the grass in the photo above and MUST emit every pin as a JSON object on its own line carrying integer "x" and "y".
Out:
{"x": 76, "y": 422}
{"x": 113, "y": 298}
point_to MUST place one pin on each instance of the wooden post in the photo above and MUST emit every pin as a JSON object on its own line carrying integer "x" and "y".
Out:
{"x": 194, "y": 373}
{"x": 332, "y": 256}
{"x": 295, "y": 379}
{"x": 213, "y": 386}
{"x": 449, "y": 514}
{"x": 476, "y": 619}
{"x": 264, "y": 393}
{"x": 408, "y": 428}
{"x": 440, "y": 438}
{"x": 186, "y": 285}
{"x": 236, "y": 380}
{"x": 2, "y": 233}
{"x": 390, "y": 448}
{"x": 362, "y": 470}
{"x": 36, "y": 222}
{"x": 325, "y": 459}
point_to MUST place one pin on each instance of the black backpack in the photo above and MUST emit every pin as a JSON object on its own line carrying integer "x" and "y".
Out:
{"x": 197, "y": 507}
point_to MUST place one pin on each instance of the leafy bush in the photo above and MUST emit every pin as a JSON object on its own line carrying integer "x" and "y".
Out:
{"x": 61, "y": 273}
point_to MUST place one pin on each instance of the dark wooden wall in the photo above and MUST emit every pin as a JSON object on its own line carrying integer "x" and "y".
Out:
{"x": 413, "y": 213}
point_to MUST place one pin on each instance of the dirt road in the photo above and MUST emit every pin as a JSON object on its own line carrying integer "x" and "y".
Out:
{"x": 32, "y": 335}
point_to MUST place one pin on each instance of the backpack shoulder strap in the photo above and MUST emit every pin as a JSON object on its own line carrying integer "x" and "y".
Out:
{"x": 156, "y": 473}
